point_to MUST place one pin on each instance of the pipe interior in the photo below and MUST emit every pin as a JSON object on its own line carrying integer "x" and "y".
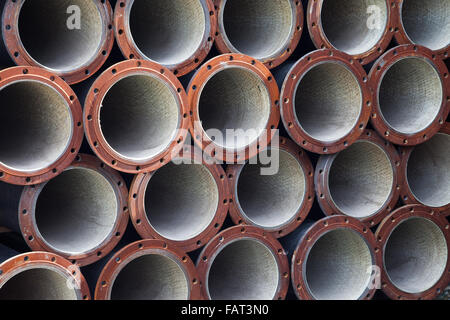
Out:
{"x": 427, "y": 23}
{"x": 245, "y": 269}
{"x": 151, "y": 277}
{"x": 328, "y": 101}
{"x": 271, "y": 201}
{"x": 361, "y": 179}
{"x": 139, "y": 117}
{"x": 410, "y": 95}
{"x": 258, "y": 28}
{"x": 181, "y": 200}
{"x": 168, "y": 31}
{"x": 37, "y": 128}
{"x": 339, "y": 266}
{"x": 428, "y": 171}
{"x": 76, "y": 211}
{"x": 356, "y": 27}
{"x": 234, "y": 107}
{"x": 38, "y": 283}
{"x": 46, "y": 36}
{"x": 415, "y": 255}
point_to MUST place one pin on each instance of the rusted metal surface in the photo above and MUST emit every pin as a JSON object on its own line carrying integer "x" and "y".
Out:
{"x": 321, "y": 41}
{"x": 37, "y": 260}
{"x": 20, "y": 55}
{"x": 141, "y": 249}
{"x": 235, "y": 235}
{"x": 378, "y": 73}
{"x": 130, "y": 50}
{"x": 140, "y": 212}
{"x": 15, "y": 75}
{"x": 288, "y": 100}
{"x": 309, "y": 239}
{"x": 37, "y": 241}
{"x": 238, "y": 214}
{"x": 388, "y": 168}
{"x": 226, "y": 45}
{"x": 93, "y": 107}
{"x": 408, "y": 196}
{"x": 432, "y": 251}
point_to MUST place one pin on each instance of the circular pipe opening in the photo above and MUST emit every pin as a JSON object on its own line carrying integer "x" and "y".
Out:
{"x": 328, "y": 101}
{"x": 168, "y": 31}
{"x": 271, "y": 201}
{"x": 360, "y": 179}
{"x": 76, "y": 211}
{"x": 244, "y": 269}
{"x": 260, "y": 29}
{"x": 181, "y": 200}
{"x": 38, "y": 283}
{"x": 139, "y": 117}
{"x": 339, "y": 266}
{"x": 410, "y": 95}
{"x": 151, "y": 277}
{"x": 356, "y": 27}
{"x": 427, "y": 23}
{"x": 428, "y": 171}
{"x": 51, "y": 42}
{"x": 234, "y": 104}
{"x": 37, "y": 128}
{"x": 415, "y": 255}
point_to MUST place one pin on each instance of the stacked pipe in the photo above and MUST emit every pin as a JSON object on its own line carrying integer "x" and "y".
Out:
{"x": 254, "y": 159}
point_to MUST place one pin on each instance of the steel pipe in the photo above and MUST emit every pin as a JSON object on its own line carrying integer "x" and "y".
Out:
{"x": 149, "y": 270}
{"x": 265, "y": 30}
{"x": 234, "y": 105}
{"x": 424, "y": 23}
{"x": 410, "y": 94}
{"x": 335, "y": 258}
{"x": 415, "y": 243}
{"x": 175, "y": 33}
{"x": 361, "y": 28}
{"x": 243, "y": 263}
{"x": 73, "y": 44}
{"x": 276, "y": 202}
{"x": 361, "y": 181}
{"x": 40, "y": 276}
{"x": 136, "y": 116}
{"x": 426, "y": 172}
{"x": 43, "y": 130}
{"x": 326, "y": 101}
{"x": 183, "y": 203}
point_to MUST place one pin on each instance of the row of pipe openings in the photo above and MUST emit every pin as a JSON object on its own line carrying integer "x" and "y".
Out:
{"x": 269, "y": 31}
{"x": 336, "y": 257}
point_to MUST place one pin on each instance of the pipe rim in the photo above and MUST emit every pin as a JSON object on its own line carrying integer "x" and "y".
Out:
{"x": 382, "y": 234}
{"x": 141, "y": 248}
{"x": 21, "y": 57}
{"x": 131, "y": 51}
{"x": 321, "y": 178}
{"x": 402, "y": 37}
{"x": 92, "y": 110}
{"x": 198, "y": 81}
{"x": 224, "y": 45}
{"x": 321, "y": 41}
{"x": 38, "y": 259}
{"x": 408, "y": 197}
{"x": 288, "y": 93}
{"x": 16, "y": 74}
{"x": 239, "y": 217}
{"x": 36, "y": 241}
{"x": 317, "y": 230}
{"x": 376, "y": 74}
{"x": 243, "y": 232}
{"x": 136, "y": 200}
